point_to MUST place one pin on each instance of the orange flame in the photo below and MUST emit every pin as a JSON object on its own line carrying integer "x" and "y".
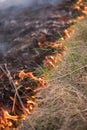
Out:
{"x": 40, "y": 44}
{"x": 68, "y": 32}
{"x": 31, "y": 105}
{"x": 67, "y": 35}
{"x": 76, "y": 7}
{"x": 22, "y": 74}
{"x": 81, "y": 7}
{"x": 6, "y": 115}
{"x": 79, "y": 2}
{"x": 51, "y": 61}
{"x": 40, "y": 80}
{"x": 6, "y": 120}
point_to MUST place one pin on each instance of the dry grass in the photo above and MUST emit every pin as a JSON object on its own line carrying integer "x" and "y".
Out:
{"x": 63, "y": 104}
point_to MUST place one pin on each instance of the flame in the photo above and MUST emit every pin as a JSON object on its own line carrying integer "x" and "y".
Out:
{"x": 40, "y": 44}
{"x": 55, "y": 44}
{"x": 22, "y": 74}
{"x": 81, "y": 7}
{"x": 68, "y": 32}
{"x": 84, "y": 11}
{"x": 31, "y": 104}
{"x": 6, "y": 115}
{"x": 76, "y": 7}
{"x": 40, "y": 80}
{"x": 67, "y": 35}
{"x": 49, "y": 61}
{"x": 5, "y": 121}
{"x": 17, "y": 82}
{"x": 80, "y": 17}
{"x": 79, "y": 2}
{"x": 23, "y": 117}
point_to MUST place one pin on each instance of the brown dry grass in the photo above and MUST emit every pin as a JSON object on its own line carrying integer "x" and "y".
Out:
{"x": 63, "y": 104}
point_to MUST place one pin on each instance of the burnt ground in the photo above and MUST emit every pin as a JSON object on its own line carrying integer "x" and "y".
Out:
{"x": 27, "y": 36}
{"x": 22, "y": 30}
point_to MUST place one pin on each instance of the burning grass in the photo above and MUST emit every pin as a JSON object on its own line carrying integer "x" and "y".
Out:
{"x": 19, "y": 86}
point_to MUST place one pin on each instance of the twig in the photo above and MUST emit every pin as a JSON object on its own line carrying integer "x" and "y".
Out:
{"x": 7, "y": 73}
{"x": 14, "y": 102}
{"x": 13, "y": 84}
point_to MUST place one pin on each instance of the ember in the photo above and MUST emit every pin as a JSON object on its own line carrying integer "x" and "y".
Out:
{"x": 36, "y": 37}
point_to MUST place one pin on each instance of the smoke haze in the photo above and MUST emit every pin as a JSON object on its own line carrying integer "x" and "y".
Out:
{"x": 9, "y": 3}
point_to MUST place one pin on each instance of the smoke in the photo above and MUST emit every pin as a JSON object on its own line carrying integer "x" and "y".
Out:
{"x": 9, "y": 3}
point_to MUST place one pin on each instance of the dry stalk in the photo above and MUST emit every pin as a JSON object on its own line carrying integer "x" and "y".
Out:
{"x": 63, "y": 76}
{"x": 8, "y": 74}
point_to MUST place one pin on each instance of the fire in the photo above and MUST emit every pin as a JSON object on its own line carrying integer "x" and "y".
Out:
{"x": 25, "y": 107}
{"x": 79, "y": 1}
{"x": 23, "y": 97}
{"x": 51, "y": 61}
{"x": 40, "y": 44}
{"x": 22, "y": 74}
{"x": 80, "y": 17}
{"x": 68, "y": 32}
{"x": 31, "y": 104}
{"x": 47, "y": 44}
{"x": 81, "y": 7}
{"x": 84, "y": 9}
{"x": 76, "y": 7}
{"x": 67, "y": 35}
{"x": 6, "y": 116}
{"x": 16, "y": 82}
{"x": 40, "y": 80}
{"x": 6, "y": 120}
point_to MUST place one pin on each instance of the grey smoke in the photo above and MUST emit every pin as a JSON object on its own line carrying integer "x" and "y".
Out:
{"x": 9, "y": 3}
{"x": 4, "y": 47}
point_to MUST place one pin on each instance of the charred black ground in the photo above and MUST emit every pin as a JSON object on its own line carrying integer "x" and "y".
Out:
{"x": 23, "y": 29}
